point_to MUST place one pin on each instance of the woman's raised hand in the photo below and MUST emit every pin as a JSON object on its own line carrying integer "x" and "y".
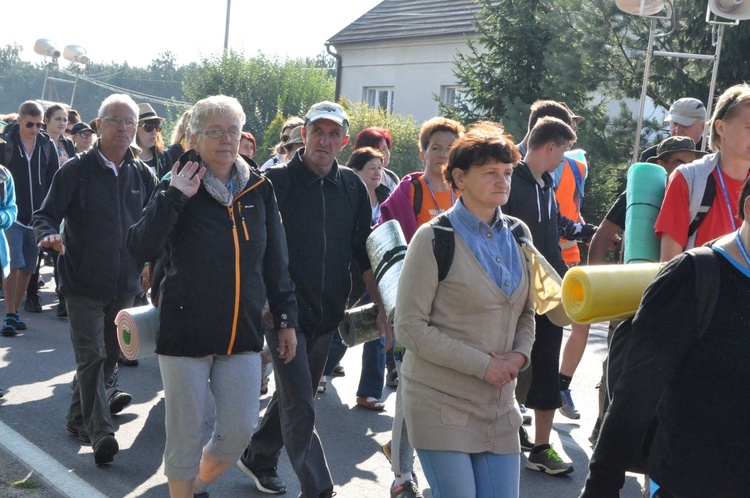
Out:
{"x": 188, "y": 179}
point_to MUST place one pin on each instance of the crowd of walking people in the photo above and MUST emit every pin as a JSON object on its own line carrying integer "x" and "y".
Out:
{"x": 123, "y": 217}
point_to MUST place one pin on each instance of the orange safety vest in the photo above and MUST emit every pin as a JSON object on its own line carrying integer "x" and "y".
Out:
{"x": 569, "y": 199}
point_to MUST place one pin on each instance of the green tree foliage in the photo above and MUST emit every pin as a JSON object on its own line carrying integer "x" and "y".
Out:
{"x": 19, "y": 80}
{"x": 404, "y": 133}
{"x": 587, "y": 53}
{"x": 265, "y": 86}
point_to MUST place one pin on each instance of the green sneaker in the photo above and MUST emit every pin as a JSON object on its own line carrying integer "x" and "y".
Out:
{"x": 545, "y": 459}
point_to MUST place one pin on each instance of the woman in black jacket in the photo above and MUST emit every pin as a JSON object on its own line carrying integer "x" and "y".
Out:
{"x": 216, "y": 230}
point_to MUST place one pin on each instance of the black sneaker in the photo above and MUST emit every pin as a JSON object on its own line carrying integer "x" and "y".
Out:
{"x": 118, "y": 400}
{"x": 32, "y": 304}
{"x": 338, "y": 371}
{"x": 408, "y": 489}
{"x": 266, "y": 480}
{"x": 526, "y": 444}
{"x": 127, "y": 363}
{"x": 545, "y": 459}
{"x": 62, "y": 308}
{"x": 391, "y": 378}
{"x": 594, "y": 437}
{"x": 105, "y": 449}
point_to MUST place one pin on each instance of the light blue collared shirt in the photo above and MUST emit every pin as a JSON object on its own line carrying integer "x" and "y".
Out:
{"x": 494, "y": 246}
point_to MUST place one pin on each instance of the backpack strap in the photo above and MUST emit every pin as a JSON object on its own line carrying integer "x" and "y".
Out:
{"x": 514, "y": 224}
{"x": 708, "y": 199}
{"x": 280, "y": 179}
{"x": 417, "y": 206}
{"x": 706, "y": 285}
{"x": 573, "y": 164}
{"x": 444, "y": 245}
{"x": 351, "y": 180}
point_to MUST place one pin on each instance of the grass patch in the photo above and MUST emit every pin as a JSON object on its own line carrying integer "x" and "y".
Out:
{"x": 26, "y": 483}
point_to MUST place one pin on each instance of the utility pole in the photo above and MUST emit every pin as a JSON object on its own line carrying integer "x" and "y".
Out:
{"x": 226, "y": 31}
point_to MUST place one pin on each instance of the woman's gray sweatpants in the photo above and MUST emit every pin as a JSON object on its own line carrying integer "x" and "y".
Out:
{"x": 234, "y": 381}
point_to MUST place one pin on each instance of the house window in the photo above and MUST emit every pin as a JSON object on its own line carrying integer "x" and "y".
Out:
{"x": 449, "y": 95}
{"x": 380, "y": 98}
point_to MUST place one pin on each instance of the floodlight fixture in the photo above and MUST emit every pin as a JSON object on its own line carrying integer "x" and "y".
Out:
{"x": 46, "y": 48}
{"x": 738, "y": 10}
{"x": 76, "y": 54}
{"x": 643, "y": 8}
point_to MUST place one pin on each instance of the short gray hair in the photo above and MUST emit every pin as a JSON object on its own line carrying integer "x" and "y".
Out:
{"x": 117, "y": 98}
{"x": 215, "y": 104}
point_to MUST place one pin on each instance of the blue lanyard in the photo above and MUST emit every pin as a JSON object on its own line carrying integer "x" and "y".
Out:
{"x": 742, "y": 248}
{"x": 429, "y": 187}
{"x": 726, "y": 197}
{"x": 375, "y": 214}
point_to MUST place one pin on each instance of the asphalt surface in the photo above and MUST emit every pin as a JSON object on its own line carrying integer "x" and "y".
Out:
{"x": 37, "y": 366}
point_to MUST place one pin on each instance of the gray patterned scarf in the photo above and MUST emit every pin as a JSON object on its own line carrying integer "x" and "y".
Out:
{"x": 237, "y": 181}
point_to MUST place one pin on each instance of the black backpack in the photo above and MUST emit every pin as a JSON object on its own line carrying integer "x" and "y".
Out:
{"x": 444, "y": 243}
{"x": 707, "y": 283}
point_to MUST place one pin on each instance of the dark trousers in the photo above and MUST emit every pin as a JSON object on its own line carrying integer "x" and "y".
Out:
{"x": 94, "y": 337}
{"x": 289, "y": 420}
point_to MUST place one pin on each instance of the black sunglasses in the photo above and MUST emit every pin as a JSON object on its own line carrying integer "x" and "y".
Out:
{"x": 149, "y": 127}
{"x": 31, "y": 125}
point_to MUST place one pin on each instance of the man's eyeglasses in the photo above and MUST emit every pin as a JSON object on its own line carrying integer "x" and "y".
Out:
{"x": 31, "y": 124}
{"x": 233, "y": 135}
{"x": 118, "y": 121}
{"x": 149, "y": 127}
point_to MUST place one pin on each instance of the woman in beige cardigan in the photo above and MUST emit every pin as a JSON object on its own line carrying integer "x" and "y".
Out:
{"x": 467, "y": 336}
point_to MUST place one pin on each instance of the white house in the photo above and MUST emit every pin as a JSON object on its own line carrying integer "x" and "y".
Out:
{"x": 400, "y": 54}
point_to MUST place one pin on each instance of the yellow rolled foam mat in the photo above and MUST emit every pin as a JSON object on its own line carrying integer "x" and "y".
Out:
{"x": 137, "y": 329}
{"x": 600, "y": 293}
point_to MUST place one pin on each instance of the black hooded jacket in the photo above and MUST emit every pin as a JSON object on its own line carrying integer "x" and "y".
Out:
{"x": 31, "y": 177}
{"x": 536, "y": 206}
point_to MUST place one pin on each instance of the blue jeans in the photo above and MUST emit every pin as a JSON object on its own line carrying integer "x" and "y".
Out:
{"x": 469, "y": 475}
{"x": 373, "y": 369}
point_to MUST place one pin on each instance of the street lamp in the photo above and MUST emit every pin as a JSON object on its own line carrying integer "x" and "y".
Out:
{"x": 73, "y": 53}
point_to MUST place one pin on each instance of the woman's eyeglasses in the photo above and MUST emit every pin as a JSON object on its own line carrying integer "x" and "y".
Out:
{"x": 149, "y": 127}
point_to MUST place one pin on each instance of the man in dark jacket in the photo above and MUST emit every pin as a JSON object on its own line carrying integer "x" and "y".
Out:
{"x": 532, "y": 199}
{"x": 326, "y": 213}
{"x": 99, "y": 194}
{"x": 31, "y": 158}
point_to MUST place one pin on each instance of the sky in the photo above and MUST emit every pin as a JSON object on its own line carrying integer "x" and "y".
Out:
{"x": 138, "y": 31}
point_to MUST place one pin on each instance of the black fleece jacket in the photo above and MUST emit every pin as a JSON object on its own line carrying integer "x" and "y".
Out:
{"x": 98, "y": 208}
{"x": 324, "y": 231}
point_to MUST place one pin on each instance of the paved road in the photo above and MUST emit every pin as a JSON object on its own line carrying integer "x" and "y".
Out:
{"x": 37, "y": 366}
